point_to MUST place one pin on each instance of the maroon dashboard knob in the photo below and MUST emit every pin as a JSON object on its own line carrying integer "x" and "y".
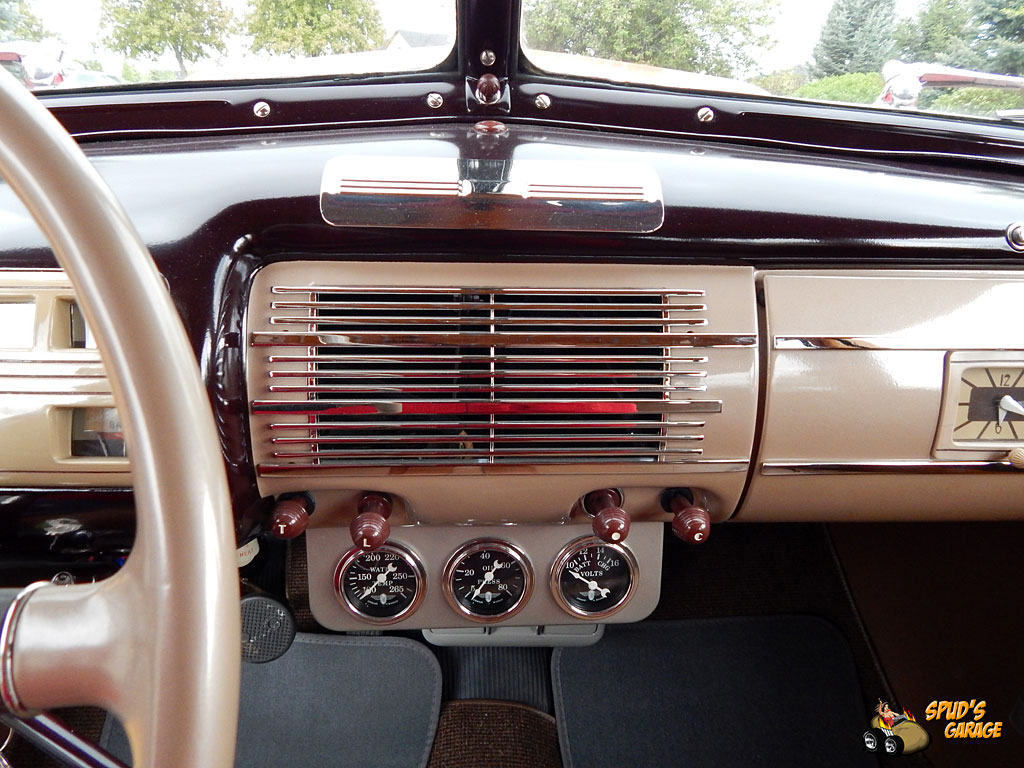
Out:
{"x": 610, "y": 521}
{"x": 370, "y": 528}
{"x": 289, "y": 519}
{"x": 690, "y": 523}
{"x": 488, "y": 89}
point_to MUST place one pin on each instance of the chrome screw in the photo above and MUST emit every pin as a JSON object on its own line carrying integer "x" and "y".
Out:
{"x": 435, "y": 100}
{"x": 543, "y": 101}
{"x": 261, "y": 109}
{"x": 1015, "y": 236}
{"x": 487, "y": 57}
{"x": 705, "y": 114}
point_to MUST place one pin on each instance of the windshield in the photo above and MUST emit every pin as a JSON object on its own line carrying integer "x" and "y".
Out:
{"x": 952, "y": 56}
{"x": 104, "y": 43}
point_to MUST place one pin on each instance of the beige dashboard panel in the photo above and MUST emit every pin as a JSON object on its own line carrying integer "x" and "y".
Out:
{"x": 856, "y": 389}
{"x": 722, "y": 353}
{"x": 43, "y": 379}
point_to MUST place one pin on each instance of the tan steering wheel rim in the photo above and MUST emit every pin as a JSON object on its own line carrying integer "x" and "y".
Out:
{"x": 158, "y": 643}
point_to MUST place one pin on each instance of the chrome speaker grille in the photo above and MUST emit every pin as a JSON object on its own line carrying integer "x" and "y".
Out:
{"x": 443, "y": 376}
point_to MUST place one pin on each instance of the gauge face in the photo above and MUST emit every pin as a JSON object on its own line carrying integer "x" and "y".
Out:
{"x": 990, "y": 404}
{"x": 593, "y": 579}
{"x": 488, "y": 580}
{"x": 383, "y": 586}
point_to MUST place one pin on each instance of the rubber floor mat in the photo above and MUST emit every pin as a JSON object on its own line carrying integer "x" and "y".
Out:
{"x": 765, "y": 691}
{"x": 505, "y": 734}
{"x": 333, "y": 702}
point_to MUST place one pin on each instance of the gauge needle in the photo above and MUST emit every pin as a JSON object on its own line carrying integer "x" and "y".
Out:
{"x": 382, "y": 577}
{"x": 1009, "y": 405}
{"x": 591, "y": 585}
{"x": 488, "y": 576}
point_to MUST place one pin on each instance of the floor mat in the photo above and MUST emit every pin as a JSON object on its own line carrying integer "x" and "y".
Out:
{"x": 332, "y": 702}
{"x": 766, "y": 691}
{"x": 472, "y": 734}
{"x": 508, "y": 674}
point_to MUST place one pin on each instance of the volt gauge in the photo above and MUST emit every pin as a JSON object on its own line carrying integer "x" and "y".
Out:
{"x": 592, "y": 579}
{"x": 487, "y": 580}
{"x": 382, "y": 586}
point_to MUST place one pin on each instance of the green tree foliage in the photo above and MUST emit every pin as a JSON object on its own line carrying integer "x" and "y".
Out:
{"x": 190, "y": 29}
{"x": 1001, "y": 34}
{"x": 943, "y": 32}
{"x": 314, "y": 27}
{"x": 785, "y": 82}
{"x": 715, "y": 37}
{"x": 983, "y": 102}
{"x": 17, "y": 22}
{"x": 853, "y": 88}
{"x": 857, "y": 37}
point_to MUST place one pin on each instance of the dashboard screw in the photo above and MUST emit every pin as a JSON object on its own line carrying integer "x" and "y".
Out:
{"x": 487, "y": 57}
{"x": 435, "y": 100}
{"x": 543, "y": 101}
{"x": 705, "y": 114}
{"x": 1015, "y": 236}
{"x": 261, "y": 109}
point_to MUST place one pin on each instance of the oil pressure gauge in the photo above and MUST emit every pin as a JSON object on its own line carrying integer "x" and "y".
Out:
{"x": 382, "y": 586}
{"x": 592, "y": 579}
{"x": 487, "y": 580}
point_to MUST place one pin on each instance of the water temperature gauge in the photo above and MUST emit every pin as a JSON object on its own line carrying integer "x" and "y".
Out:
{"x": 592, "y": 579}
{"x": 382, "y": 586}
{"x": 487, "y": 580}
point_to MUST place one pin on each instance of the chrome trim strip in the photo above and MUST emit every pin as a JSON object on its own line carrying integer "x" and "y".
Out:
{"x": 470, "y": 387}
{"x": 507, "y": 339}
{"x": 480, "y": 193}
{"x": 484, "y": 427}
{"x": 339, "y": 425}
{"x": 8, "y": 695}
{"x": 654, "y": 359}
{"x": 684, "y": 466}
{"x": 511, "y": 291}
{"x": 532, "y": 307}
{"x": 483, "y": 453}
{"x": 488, "y": 321}
{"x": 498, "y": 407}
{"x": 656, "y": 371}
{"x": 897, "y": 467}
{"x": 876, "y": 343}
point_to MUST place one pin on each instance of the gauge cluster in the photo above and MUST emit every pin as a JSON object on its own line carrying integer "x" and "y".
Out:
{"x": 428, "y": 577}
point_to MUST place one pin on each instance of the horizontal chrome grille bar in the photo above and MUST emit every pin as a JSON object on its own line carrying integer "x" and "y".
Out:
{"x": 655, "y": 372}
{"x": 681, "y": 464}
{"x": 533, "y": 438}
{"x": 482, "y": 453}
{"x": 447, "y": 357}
{"x": 357, "y": 304}
{"x": 527, "y": 292}
{"x": 334, "y": 426}
{"x": 513, "y": 339}
{"x": 452, "y": 407}
{"x": 470, "y": 389}
{"x": 497, "y": 322}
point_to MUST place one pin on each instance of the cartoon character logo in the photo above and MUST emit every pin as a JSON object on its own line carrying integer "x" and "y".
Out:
{"x": 895, "y": 733}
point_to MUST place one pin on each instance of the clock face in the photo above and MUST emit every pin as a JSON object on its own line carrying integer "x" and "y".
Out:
{"x": 990, "y": 404}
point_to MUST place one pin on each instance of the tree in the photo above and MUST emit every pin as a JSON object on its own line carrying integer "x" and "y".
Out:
{"x": 1001, "y": 34}
{"x": 852, "y": 88}
{"x": 189, "y": 29}
{"x": 943, "y": 32}
{"x": 715, "y": 37}
{"x": 17, "y": 22}
{"x": 314, "y": 27}
{"x": 857, "y": 37}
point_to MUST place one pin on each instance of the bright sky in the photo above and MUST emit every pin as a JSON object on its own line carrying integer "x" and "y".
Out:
{"x": 76, "y": 23}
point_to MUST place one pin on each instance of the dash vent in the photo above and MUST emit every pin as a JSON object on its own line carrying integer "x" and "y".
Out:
{"x": 444, "y": 377}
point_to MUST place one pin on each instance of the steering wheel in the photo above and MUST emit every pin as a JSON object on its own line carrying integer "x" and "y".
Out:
{"x": 158, "y": 643}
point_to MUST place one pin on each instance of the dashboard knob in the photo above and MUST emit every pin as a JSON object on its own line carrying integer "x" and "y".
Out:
{"x": 1016, "y": 458}
{"x": 289, "y": 519}
{"x": 690, "y": 523}
{"x": 370, "y": 527}
{"x": 610, "y": 521}
{"x": 488, "y": 89}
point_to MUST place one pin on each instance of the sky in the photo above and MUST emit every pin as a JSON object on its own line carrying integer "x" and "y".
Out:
{"x": 77, "y": 23}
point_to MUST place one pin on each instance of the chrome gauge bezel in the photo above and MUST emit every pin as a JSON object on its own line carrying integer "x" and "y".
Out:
{"x": 566, "y": 554}
{"x": 480, "y": 545}
{"x": 417, "y": 568}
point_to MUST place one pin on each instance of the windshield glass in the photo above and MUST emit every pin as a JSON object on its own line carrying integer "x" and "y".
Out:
{"x": 108, "y": 43}
{"x": 952, "y": 56}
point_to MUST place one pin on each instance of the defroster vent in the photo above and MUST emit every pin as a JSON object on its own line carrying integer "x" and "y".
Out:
{"x": 444, "y": 376}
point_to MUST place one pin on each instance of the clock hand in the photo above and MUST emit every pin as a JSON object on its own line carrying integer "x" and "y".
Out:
{"x": 1008, "y": 405}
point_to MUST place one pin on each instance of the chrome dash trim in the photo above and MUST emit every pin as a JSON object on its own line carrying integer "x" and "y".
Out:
{"x": 897, "y": 467}
{"x": 480, "y": 193}
{"x": 483, "y": 407}
{"x": 441, "y": 338}
{"x": 876, "y": 343}
{"x": 510, "y": 291}
{"x": 682, "y": 466}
